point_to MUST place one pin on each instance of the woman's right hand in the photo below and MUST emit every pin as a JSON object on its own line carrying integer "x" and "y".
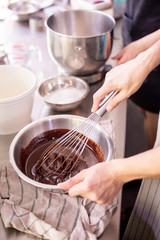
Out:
{"x": 125, "y": 78}
{"x": 128, "y": 77}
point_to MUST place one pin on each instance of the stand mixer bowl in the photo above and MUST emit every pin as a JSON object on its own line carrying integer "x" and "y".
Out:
{"x": 80, "y": 41}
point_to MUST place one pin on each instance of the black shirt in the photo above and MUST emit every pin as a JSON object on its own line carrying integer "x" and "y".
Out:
{"x": 140, "y": 18}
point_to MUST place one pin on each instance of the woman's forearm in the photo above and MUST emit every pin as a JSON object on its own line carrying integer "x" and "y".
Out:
{"x": 147, "y": 41}
{"x": 151, "y": 57}
{"x": 143, "y": 165}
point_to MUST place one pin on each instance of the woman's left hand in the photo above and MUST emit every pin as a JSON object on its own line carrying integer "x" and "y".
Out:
{"x": 97, "y": 183}
{"x": 129, "y": 52}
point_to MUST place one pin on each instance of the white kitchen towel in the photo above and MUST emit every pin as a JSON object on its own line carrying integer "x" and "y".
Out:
{"x": 50, "y": 215}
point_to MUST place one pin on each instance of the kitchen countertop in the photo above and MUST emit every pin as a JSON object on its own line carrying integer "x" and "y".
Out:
{"x": 20, "y": 33}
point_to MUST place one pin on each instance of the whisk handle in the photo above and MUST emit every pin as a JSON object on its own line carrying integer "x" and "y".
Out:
{"x": 102, "y": 107}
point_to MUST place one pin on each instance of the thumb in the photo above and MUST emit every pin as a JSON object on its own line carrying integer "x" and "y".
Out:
{"x": 77, "y": 190}
{"x": 122, "y": 60}
{"x": 98, "y": 96}
{"x": 117, "y": 56}
{"x": 72, "y": 181}
{"x": 119, "y": 97}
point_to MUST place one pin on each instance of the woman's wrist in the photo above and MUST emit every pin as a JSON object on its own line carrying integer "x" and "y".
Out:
{"x": 143, "y": 165}
{"x": 148, "y": 41}
{"x": 149, "y": 58}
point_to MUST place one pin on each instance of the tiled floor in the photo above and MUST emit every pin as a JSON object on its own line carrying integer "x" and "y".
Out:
{"x": 135, "y": 143}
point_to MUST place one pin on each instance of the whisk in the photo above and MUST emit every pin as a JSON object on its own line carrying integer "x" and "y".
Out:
{"x": 63, "y": 155}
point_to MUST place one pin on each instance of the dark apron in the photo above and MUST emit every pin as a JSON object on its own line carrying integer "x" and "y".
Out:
{"x": 140, "y": 18}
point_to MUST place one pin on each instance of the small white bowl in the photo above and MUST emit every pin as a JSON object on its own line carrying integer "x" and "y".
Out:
{"x": 63, "y": 93}
{"x": 17, "y": 88}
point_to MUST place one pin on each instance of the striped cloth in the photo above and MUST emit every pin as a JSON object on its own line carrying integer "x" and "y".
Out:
{"x": 144, "y": 222}
{"x": 50, "y": 215}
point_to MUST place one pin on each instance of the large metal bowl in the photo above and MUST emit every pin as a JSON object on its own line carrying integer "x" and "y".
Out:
{"x": 80, "y": 41}
{"x": 23, "y": 138}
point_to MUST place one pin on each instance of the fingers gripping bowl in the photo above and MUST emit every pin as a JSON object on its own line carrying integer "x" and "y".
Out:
{"x": 29, "y": 132}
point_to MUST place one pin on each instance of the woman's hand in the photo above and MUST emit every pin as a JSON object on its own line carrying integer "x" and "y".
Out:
{"x": 129, "y": 52}
{"x": 133, "y": 49}
{"x": 98, "y": 183}
{"x": 125, "y": 78}
{"x": 102, "y": 182}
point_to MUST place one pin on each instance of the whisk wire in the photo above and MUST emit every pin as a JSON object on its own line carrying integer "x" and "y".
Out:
{"x": 70, "y": 144}
{"x": 82, "y": 145}
{"x": 64, "y": 153}
{"x": 69, "y": 136}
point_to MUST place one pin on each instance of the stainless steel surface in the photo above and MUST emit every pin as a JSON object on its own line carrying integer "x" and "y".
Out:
{"x": 18, "y": 32}
{"x": 98, "y": 75}
{"x": 23, "y": 10}
{"x": 80, "y": 41}
{"x": 3, "y": 55}
{"x": 23, "y": 138}
{"x": 45, "y": 3}
{"x": 36, "y": 23}
{"x": 60, "y": 85}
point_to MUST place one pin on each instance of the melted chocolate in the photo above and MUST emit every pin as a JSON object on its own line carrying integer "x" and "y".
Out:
{"x": 65, "y": 166}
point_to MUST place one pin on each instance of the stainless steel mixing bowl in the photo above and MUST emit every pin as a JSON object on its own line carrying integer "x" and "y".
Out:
{"x": 23, "y": 10}
{"x": 80, "y": 41}
{"x": 23, "y": 138}
{"x": 63, "y": 93}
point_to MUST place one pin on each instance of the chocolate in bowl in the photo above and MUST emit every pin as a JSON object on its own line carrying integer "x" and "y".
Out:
{"x": 63, "y": 121}
{"x": 31, "y": 163}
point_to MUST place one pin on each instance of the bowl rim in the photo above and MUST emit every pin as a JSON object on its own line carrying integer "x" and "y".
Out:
{"x": 25, "y": 93}
{"x": 35, "y": 8}
{"x": 79, "y": 37}
{"x": 23, "y": 130}
{"x": 87, "y": 89}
